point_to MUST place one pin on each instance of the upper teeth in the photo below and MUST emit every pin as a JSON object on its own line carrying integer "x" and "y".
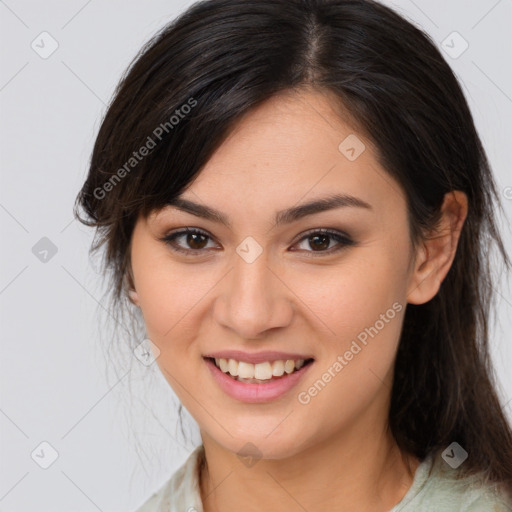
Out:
{"x": 261, "y": 371}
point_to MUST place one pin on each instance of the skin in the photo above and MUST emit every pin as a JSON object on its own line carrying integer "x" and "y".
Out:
{"x": 336, "y": 452}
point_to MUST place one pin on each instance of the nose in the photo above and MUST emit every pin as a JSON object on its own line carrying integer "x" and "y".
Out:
{"x": 253, "y": 299}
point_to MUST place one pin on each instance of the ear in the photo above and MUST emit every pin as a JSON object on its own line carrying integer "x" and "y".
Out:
{"x": 435, "y": 255}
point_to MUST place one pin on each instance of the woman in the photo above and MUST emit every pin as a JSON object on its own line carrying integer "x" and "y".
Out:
{"x": 295, "y": 196}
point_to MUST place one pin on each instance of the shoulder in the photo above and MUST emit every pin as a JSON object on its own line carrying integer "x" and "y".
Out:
{"x": 471, "y": 494}
{"x": 181, "y": 492}
{"x": 437, "y": 486}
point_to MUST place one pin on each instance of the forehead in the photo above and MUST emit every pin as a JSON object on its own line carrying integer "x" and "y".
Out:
{"x": 291, "y": 149}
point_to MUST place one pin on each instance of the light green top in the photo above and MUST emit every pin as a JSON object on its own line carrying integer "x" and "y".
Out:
{"x": 434, "y": 489}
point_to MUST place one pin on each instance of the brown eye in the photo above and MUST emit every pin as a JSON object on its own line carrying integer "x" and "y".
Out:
{"x": 193, "y": 240}
{"x": 319, "y": 241}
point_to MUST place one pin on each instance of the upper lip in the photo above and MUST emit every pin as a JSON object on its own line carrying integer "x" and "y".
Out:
{"x": 257, "y": 357}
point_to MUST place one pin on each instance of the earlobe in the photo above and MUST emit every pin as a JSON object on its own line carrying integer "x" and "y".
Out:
{"x": 417, "y": 289}
{"x": 134, "y": 297}
{"x": 130, "y": 286}
{"x": 437, "y": 251}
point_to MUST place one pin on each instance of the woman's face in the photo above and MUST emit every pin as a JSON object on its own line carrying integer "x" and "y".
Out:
{"x": 257, "y": 285}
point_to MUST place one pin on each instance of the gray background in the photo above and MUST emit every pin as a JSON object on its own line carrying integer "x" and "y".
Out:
{"x": 115, "y": 430}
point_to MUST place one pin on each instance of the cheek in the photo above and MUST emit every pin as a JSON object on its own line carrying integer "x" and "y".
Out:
{"x": 171, "y": 302}
{"x": 358, "y": 307}
{"x": 168, "y": 292}
{"x": 352, "y": 296}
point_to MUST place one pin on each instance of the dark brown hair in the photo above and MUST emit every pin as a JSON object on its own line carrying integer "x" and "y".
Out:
{"x": 194, "y": 80}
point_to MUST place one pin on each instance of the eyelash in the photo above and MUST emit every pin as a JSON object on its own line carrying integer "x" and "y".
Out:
{"x": 344, "y": 241}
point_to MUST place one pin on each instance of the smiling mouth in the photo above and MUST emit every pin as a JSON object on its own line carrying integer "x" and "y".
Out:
{"x": 277, "y": 367}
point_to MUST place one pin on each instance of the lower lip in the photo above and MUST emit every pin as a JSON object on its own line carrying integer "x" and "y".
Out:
{"x": 254, "y": 392}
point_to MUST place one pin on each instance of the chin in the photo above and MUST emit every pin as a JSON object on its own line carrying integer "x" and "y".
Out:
{"x": 251, "y": 448}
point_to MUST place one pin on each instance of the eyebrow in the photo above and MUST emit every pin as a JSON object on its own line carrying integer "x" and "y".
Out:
{"x": 282, "y": 217}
